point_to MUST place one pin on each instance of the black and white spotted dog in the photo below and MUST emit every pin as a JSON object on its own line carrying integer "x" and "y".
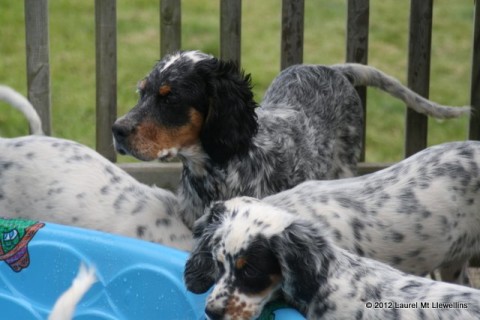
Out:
{"x": 420, "y": 214}
{"x": 253, "y": 252}
{"x": 201, "y": 109}
{"x": 61, "y": 181}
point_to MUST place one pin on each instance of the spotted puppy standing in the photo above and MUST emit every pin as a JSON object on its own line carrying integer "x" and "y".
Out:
{"x": 253, "y": 252}
{"x": 61, "y": 181}
{"x": 201, "y": 109}
{"x": 420, "y": 214}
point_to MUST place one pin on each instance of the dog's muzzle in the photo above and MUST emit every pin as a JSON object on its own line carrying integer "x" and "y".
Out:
{"x": 121, "y": 130}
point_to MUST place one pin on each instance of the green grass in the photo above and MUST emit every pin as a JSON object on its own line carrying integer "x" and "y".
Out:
{"x": 72, "y": 58}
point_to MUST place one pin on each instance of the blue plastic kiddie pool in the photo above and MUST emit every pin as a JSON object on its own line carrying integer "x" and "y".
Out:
{"x": 137, "y": 280}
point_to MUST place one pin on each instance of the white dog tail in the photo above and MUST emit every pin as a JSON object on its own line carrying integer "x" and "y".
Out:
{"x": 64, "y": 307}
{"x": 362, "y": 75}
{"x": 21, "y": 103}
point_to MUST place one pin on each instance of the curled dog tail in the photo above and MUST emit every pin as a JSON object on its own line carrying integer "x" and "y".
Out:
{"x": 362, "y": 75}
{"x": 64, "y": 307}
{"x": 21, "y": 103}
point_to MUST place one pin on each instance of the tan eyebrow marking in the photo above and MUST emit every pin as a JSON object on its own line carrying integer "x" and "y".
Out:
{"x": 240, "y": 263}
{"x": 165, "y": 89}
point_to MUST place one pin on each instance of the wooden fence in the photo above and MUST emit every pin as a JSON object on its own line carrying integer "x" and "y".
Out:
{"x": 166, "y": 175}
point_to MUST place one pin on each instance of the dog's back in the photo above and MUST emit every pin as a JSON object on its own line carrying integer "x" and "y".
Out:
{"x": 417, "y": 215}
{"x": 330, "y": 112}
{"x": 368, "y": 289}
{"x": 325, "y": 96}
{"x": 61, "y": 181}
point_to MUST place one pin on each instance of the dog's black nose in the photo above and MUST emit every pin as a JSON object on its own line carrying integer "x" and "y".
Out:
{"x": 121, "y": 130}
{"x": 213, "y": 314}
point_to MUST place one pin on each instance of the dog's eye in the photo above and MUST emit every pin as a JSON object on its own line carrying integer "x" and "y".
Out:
{"x": 246, "y": 268}
{"x": 250, "y": 271}
{"x": 252, "y": 280}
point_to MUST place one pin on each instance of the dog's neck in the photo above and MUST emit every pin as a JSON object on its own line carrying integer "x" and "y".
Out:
{"x": 204, "y": 180}
{"x": 201, "y": 183}
{"x": 344, "y": 269}
{"x": 195, "y": 159}
{"x": 332, "y": 261}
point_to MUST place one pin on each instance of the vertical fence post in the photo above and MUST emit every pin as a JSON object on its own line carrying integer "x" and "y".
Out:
{"x": 170, "y": 26}
{"x": 38, "y": 64}
{"x": 292, "y": 32}
{"x": 474, "y": 129}
{"x": 419, "y": 47}
{"x": 231, "y": 30}
{"x": 358, "y": 15}
{"x": 106, "y": 75}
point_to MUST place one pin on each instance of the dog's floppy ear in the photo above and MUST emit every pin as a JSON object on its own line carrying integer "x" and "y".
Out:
{"x": 231, "y": 121}
{"x": 303, "y": 254}
{"x": 200, "y": 269}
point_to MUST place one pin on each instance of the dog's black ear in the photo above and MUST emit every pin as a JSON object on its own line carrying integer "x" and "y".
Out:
{"x": 304, "y": 255}
{"x": 231, "y": 121}
{"x": 200, "y": 269}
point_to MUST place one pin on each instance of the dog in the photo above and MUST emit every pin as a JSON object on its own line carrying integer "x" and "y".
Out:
{"x": 201, "y": 109}
{"x": 253, "y": 252}
{"x": 62, "y": 181}
{"x": 420, "y": 214}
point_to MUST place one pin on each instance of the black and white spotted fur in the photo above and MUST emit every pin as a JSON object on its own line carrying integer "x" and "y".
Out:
{"x": 253, "y": 252}
{"x": 417, "y": 215}
{"x": 201, "y": 109}
{"x": 61, "y": 181}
